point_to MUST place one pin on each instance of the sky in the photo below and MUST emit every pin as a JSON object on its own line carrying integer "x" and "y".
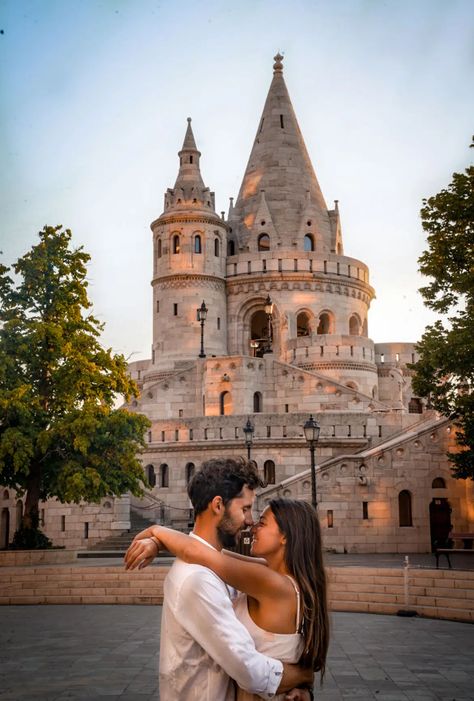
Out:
{"x": 94, "y": 96}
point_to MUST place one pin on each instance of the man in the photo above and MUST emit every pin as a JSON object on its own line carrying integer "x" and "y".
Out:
{"x": 203, "y": 645}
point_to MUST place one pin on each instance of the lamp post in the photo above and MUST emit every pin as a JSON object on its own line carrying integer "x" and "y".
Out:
{"x": 201, "y": 316}
{"x": 311, "y": 433}
{"x": 248, "y": 433}
{"x": 269, "y": 313}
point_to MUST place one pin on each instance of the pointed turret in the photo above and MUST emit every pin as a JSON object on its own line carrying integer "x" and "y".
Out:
{"x": 279, "y": 164}
{"x": 189, "y": 191}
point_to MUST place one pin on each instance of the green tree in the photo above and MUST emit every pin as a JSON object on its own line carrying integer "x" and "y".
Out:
{"x": 60, "y": 435}
{"x": 445, "y": 369}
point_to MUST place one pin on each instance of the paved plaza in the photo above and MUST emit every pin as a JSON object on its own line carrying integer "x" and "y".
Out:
{"x": 54, "y": 653}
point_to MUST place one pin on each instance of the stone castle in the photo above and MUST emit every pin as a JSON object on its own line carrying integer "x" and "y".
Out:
{"x": 261, "y": 316}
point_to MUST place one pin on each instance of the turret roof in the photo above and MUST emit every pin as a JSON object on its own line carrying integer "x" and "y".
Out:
{"x": 279, "y": 164}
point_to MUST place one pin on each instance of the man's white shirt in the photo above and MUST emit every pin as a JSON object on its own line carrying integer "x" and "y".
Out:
{"x": 203, "y": 644}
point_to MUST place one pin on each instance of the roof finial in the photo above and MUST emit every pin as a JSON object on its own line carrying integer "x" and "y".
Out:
{"x": 189, "y": 120}
{"x": 278, "y": 65}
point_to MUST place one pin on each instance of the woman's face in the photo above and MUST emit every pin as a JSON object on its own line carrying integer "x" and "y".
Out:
{"x": 267, "y": 537}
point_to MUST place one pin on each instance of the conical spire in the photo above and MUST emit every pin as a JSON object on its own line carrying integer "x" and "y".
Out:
{"x": 189, "y": 191}
{"x": 279, "y": 164}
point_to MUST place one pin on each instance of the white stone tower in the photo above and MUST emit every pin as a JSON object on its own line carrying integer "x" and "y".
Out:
{"x": 189, "y": 249}
{"x": 284, "y": 241}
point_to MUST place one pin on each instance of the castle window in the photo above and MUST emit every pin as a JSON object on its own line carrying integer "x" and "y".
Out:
{"x": 269, "y": 472}
{"x": 164, "y": 476}
{"x": 330, "y": 515}
{"x": 157, "y": 306}
{"x": 158, "y": 248}
{"x": 197, "y": 244}
{"x": 175, "y": 309}
{"x": 189, "y": 472}
{"x": 365, "y": 510}
{"x": 150, "y": 475}
{"x": 282, "y": 125}
{"x": 302, "y": 324}
{"x": 63, "y": 524}
{"x": 308, "y": 243}
{"x": 324, "y": 324}
{"x": 231, "y": 248}
{"x": 354, "y": 325}
{"x": 263, "y": 242}
{"x": 438, "y": 483}
{"x": 190, "y": 159}
{"x": 176, "y": 246}
{"x": 257, "y": 402}
{"x": 216, "y": 247}
{"x": 218, "y": 323}
{"x": 404, "y": 509}
{"x": 415, "y": 406}
{"x": 86, "y": 530}
{"x": 225, "y": 403}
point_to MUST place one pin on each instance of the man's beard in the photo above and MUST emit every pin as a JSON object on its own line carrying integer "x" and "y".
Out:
{"x": 228, "y": 536}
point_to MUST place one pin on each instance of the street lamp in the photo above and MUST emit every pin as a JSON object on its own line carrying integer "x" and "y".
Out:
{"x": 269, "y": 313}
{"x": 311, "y": 433}
{"x": 248, "y": 433}
{"x": 201, "y": 316}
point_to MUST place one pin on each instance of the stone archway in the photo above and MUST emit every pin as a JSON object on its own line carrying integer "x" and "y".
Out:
{"x": 4, "y": 529}
{"x": 440, "y": 522}
{"x": 253, "y": 322}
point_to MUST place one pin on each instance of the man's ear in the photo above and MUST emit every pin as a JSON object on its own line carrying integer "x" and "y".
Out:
{"x": 217, "y": 505}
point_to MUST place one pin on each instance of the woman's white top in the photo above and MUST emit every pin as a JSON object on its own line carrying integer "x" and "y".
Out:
{"x": 286, "y": 647}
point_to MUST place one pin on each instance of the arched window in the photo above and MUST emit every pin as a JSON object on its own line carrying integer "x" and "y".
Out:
{"x": 176, "y": 244}
{"x": 257, "y": 403}
{"x": 354, "y": 325}
{"x": 224, "y": 403}
{"x": 164, "y": 475}
{"x": 269, "y": 472}
{"x": 302, "y": 324}
{"x": 324, "y": 324}
{"x": 158, "y": 248}
{"x": 415, "y": 406}
{"x": 19, "y": 513}
{"x": 404, "y": 508}
{"x": 438, "y": 483}
{"x": 197, "y": 244}
{"x": 6, "y": 494}
{"x": 217, "y": 247}
{"x": 4, "y": 529}
{"x": 308, "y": 242}
{"x": 263, "y": 242}
{"x": 231, "y": 248}
{"x": 189, "y": 472}
{"x": 150, "y": 475}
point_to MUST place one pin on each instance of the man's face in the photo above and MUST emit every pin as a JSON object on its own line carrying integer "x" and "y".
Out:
{"x": 237, "y": 516}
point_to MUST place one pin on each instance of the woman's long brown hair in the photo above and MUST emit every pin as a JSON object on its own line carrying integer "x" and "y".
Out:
{"x": 299, "y": 523}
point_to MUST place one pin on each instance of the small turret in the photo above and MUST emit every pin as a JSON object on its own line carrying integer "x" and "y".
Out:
{"x": 189, "y": 191}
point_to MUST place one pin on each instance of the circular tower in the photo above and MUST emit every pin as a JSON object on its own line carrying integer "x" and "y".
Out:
{"x": 286, "y": 243}
{"x": 189, "y": 260}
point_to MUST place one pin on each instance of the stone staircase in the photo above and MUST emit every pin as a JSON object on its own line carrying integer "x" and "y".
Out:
{"x": 116, "y": 545}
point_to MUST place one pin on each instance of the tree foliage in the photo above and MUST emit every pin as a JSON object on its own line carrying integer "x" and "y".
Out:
{"x": 445, "y": 369}
{"x": 60, "y": 435}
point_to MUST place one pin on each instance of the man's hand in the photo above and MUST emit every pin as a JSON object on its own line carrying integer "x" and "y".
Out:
{"x": 141, "y": 553}
{"x": 298, "y": 695}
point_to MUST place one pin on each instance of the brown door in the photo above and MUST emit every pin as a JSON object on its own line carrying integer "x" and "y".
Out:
{"x": 440, "y": 523}
{"x": 4, "y": 529}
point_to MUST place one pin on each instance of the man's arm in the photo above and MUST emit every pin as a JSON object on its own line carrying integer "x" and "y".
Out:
{"x": 205, "y": 612}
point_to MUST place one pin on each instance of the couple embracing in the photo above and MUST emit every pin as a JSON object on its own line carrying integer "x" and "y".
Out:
{"x": 236, "y": 628}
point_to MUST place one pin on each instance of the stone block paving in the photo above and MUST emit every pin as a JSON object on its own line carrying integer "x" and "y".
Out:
{"x": 104, "y": 653}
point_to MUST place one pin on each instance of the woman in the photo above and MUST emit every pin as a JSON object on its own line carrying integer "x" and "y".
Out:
{"x": 282, "y": 605}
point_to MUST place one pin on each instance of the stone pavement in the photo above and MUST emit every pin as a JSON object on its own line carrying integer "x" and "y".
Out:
{"x": 106, "y": 653}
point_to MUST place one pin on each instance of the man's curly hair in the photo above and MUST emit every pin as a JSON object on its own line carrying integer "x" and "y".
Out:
{"x": 223, "y": 477}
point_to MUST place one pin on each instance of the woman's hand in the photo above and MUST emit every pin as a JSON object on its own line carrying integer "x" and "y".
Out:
{"x": 141, "y": 553}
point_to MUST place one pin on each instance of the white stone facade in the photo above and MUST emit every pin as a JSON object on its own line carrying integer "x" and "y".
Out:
{"x": 281, "y": 241}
